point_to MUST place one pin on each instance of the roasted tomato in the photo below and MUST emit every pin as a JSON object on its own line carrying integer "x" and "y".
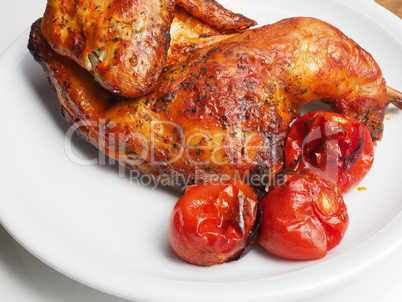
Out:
{"x": 214, "y": 223}
{"x": 303, "y": 216}
{"x": 334, "y": 143}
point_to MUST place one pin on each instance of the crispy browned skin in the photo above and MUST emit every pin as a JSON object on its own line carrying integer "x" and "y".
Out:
{"x": 123, "y": 43}
{"x": 224, "y": 110}
{"x": 307, "y": 60}
{"x": 324, "y": 64}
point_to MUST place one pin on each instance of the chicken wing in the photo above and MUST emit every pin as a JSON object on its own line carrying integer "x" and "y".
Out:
{"x": 214, "y": 14}
{"x": 123, "y": 43}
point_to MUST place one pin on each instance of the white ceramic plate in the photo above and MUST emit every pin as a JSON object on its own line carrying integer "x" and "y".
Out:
{"x": 93, "y": 222}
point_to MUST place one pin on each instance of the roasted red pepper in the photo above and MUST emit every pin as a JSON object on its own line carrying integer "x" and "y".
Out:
{"x": 335, "y": 144}
{"x": 303, "y": 216}
{"x": 214, "y": 223}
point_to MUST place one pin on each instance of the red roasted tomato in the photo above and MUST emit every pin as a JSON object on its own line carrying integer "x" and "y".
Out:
{"x": 214, "y": 223}
{"x": 336, "y": 144}
{"x": 303, "y": 216}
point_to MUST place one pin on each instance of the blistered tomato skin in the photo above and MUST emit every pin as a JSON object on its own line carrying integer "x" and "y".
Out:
{"x": 335, "y": 144}
{"x": 214, "y": 223}
{"x": 303, "y": 216}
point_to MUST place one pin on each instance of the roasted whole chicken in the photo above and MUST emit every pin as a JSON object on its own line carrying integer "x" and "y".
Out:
{"x": 222, "y": 105}
{"x": 124, "y": 43}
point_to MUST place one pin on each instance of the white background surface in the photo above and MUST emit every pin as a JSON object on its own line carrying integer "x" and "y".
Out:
{"x": 24, "y": 278}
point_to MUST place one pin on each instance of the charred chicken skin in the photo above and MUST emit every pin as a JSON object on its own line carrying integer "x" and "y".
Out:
{"x": 223, "y": 110}
{"x": 124, "y": 43}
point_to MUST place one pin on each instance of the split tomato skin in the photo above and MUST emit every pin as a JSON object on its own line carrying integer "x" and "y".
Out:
{"x": 214, "y": 223}
{"x": 335, "y": 144}
{"x": 303, "y": 216}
